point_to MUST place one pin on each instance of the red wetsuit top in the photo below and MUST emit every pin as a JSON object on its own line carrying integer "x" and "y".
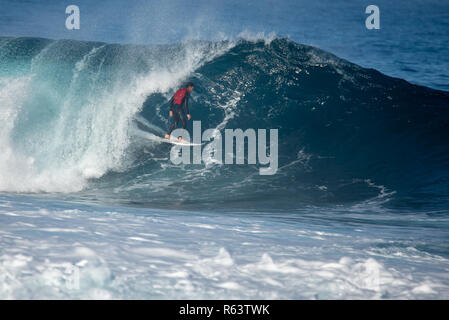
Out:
{"x": 180, "y": 99}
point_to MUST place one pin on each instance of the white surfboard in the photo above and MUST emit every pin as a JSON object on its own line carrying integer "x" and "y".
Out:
{"x": 183, "y": 143}
{"x": 155, "y": 137}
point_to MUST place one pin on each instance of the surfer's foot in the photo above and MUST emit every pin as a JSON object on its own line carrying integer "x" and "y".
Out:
{"x": 167, "y": 136}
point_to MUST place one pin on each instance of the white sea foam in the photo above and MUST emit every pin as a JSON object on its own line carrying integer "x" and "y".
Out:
{"x": 190, "y": 260}
{"x": 257, "y": 36}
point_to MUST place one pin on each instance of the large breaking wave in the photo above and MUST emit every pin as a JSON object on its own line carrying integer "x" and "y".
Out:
{"x": 78, "y": 117}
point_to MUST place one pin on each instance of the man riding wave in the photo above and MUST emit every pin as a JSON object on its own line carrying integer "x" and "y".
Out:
{"x": 178, "y": 103}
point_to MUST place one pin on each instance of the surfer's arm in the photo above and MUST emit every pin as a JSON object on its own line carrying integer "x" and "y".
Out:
{"x": 171, "y": 103}
{"x": 186, "y": 104}
{"x": 171, "y": 106}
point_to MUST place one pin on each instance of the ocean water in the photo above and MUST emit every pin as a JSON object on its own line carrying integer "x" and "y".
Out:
{"x": 411, "y": 43}
{"x": 92, "y": 207}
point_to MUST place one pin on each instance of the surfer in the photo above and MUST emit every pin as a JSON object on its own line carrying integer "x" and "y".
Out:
{"x": 178, "y": 102}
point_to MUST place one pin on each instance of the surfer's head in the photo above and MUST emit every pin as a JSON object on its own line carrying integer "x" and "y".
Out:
{"x": 190, "y": 86}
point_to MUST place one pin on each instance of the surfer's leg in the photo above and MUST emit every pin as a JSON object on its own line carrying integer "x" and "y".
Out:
{"x": 175, "y": 122}
{"x": 183, "y": 119}
{"x": 184, "y": 124}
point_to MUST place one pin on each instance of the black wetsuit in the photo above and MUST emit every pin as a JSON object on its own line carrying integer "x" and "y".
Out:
{"x": 178, "y": 112}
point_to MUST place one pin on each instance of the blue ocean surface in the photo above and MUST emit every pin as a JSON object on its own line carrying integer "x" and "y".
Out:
{"x": 91, "y": 207}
